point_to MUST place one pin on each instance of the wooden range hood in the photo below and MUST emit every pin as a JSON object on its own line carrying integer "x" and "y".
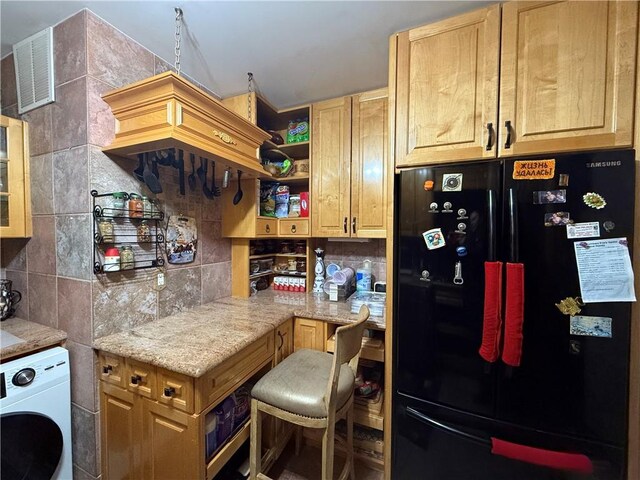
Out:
{"x": 166, "y": 111}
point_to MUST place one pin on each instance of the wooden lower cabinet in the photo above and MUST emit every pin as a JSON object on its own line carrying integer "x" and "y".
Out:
{"x": 172, "y": 443}
{"x": 158, "y": 432}
{"x": 311, "y": 334}
{"x": 121, "y": 426}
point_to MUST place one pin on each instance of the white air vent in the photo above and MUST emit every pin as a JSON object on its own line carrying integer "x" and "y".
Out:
{"x": 33, "y": 58}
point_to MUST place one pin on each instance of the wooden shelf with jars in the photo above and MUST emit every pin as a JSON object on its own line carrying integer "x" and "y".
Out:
{"x": 256, "y": 264}
{"x": 15, "y": 194}
{"x": 127, "y": 232}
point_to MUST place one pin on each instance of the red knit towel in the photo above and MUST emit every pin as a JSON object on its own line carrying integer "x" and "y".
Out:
{"x": 514, "y": 315}
{"x": 490, "y": 348}
{"x": 548, "y": 458}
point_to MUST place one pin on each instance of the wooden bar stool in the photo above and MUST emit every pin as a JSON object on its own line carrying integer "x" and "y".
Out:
{"x": 312, "y": 389}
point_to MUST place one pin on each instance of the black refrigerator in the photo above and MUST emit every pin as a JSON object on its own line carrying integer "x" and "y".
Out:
{"x": 556, "y": 408}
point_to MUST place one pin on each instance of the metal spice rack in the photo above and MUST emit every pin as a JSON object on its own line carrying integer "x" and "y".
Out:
{"x": 148, "y": 254}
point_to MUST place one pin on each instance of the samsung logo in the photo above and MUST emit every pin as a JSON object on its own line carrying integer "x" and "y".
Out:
{"x": 603, "y": 164}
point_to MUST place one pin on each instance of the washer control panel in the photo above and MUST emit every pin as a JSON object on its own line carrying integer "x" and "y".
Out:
{"x": 27, "y": 375}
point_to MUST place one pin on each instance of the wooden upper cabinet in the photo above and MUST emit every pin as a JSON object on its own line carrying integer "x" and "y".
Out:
{"x": 331, "y": 168}
{"x": 369, "y": 154}
{"x": 446, "y": 89}
{"x": 567, "y": 75}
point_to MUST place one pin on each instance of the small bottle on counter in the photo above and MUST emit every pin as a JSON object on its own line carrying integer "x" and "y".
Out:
{"x": 111, "y": 260}
{"x": 144, "y": 232}
{"x": 127, "y": 258}
{"x": 105, "y": 225}
{"x": 136, "y": 206}
{"x": 146, "y": 207}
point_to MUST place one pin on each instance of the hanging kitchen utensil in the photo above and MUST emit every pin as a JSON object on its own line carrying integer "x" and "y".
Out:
{"x": 180, "y": 167}
{"x": 165, "y": 157}
{"x": 138, "y": 172}
{"x": 154, "y": 166}
{"x": 205, "y": 188}
{"x": 238, "y": 195}
{"x": 149, "y": 178}
{"x": 214, "y": 189}
{"x": 201, "y": 172}
{"x": 192, "y": 176}
{"x": 226, "y": 178}
{"x": 182, "y": 239}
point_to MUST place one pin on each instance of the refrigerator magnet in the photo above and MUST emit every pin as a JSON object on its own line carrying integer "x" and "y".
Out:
{"x": 590, "y": 326}
{"x": 570, "y": 305}
{"x": 434, "y": 238}
{"x": 452, "y": 182}
{"x": 534, "y": 169}
{"x": 563, "y": 180}
{"x": 557, "y": 219}
{"x": 594, "y": 200}
{"x": 542, "y": 197}
{"x": 583, "y": 230}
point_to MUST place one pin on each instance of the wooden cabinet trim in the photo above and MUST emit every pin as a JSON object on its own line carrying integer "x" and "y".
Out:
{"x": 176, "y": 390}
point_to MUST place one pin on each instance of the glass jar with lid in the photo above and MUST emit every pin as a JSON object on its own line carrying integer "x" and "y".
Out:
{"x": 144, "y": 232}
{"x": 105, "y": 225}
{"x": 136, "y": 206}
{"x": 117, "y": 204}
{"x": 127, "y": 258}
{"x": 146, "y": 207}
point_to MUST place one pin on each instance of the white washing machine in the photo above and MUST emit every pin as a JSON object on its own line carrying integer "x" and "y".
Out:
{"x": 35, "y": 416}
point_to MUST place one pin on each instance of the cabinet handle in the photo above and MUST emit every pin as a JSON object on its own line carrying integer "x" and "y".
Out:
{"x": 169, "y": 391}
{"x": 106, "y": 369}
{"x": 267, "y": 228}
{"x": 489, "y": 136}
{"x": 135, "y": 379}
{"x": 281, "y": 340}
{"x": 353, "y": 225}
{"x": 293, "y": 228}
{"x": 507, "y": 124}
{"x": 345, "y": 224}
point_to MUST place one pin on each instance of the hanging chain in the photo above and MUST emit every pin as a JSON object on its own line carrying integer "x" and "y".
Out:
{"x": 250, "y": 90}
{"x": 178, "y": 28}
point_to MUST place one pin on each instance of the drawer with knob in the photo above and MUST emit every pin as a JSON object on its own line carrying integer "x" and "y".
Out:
{"x": 111, "y": 369}
{"x": 267, "y": 227}
{"x": 141, "y": 378}
{"x": 294, "y": 227}
{"x": 176, "y": 390}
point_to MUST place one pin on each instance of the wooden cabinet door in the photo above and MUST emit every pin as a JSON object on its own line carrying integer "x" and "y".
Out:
{"x": 446, "y": 88}
{"x": 567, "y": 75}
{"x": 15, "y": 196}
{"x": 331, "y": 168}
{"x": 120, "y": 423}
{"x": 284, "y": 341}
{"x": 172, "y": 447}
{"x": 369, "y": 154}
{"x": 309, "y": 334}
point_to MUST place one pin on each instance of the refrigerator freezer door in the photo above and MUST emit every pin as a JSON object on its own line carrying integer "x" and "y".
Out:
{"x": 432, "y": 442}
{"x": 438, "y": 316}
{"x": 570, "y": 384}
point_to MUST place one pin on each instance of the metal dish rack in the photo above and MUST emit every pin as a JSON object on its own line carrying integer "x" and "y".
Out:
{"x": 148, "y": 254}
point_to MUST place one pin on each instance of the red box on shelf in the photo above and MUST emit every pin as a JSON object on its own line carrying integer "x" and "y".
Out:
{"x": 304, "y": 204}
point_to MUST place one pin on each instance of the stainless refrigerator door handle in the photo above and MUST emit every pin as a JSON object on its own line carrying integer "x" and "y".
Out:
{"x": 441, "y": 426}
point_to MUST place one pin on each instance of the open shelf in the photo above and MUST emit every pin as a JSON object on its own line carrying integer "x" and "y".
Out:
{"x": 372, "y": 348}
{"x": 267, "y": 255}
{"x": 261, "y": 274}
{"x": 369, "y": 419}
{"x": 226, "y": 452}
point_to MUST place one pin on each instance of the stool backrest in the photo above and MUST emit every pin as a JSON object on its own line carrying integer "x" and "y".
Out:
{"x": 348, "y": 346}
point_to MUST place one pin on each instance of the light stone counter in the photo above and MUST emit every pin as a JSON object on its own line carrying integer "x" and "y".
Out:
{"x": 35, "y": 336}
{"x": 197, "y": 340}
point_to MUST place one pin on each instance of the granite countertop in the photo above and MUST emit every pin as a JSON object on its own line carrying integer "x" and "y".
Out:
{"x": 197, "y": 340}
{"x": 34, "y": 335}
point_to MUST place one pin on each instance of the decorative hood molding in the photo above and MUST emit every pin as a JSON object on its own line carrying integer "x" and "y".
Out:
{"x": 166, "y": 111}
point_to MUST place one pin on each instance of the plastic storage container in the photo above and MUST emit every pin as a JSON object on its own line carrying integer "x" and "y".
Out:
{"x": 363, "y": 277}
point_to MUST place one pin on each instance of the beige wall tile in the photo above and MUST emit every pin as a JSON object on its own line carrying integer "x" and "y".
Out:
{"x": 70, "y": 48}
{"x": 69, "y": 114}
{"x": 74, "y": 310}
{"x": 43, "y": 299}
{"x": 41, "y": 249}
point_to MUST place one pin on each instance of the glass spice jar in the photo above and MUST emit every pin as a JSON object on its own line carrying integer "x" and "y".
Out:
{"x": 117, "y": 204}
{"x": 136, "y": 206}
{"x": 144, "y": 232}
{"x": 105, "y": 225}
{"x": 146, "y": 207}
{"x": 127, "y": 258}
{"x": 111, "y": 260}
{"x": 155, "y": 208}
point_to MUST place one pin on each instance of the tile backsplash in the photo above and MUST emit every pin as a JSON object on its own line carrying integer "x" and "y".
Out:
{"x": 352, "y": 254}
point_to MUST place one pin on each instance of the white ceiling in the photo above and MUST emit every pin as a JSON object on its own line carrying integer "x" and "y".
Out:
{"x": 299, "y": 51}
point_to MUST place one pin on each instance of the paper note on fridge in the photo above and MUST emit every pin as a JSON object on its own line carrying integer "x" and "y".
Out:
{"x": 604, "y": 270}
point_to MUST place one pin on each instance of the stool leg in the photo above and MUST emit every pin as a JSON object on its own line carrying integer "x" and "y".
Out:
{"x": 327, "y": 449}
{"x": 350, "y": 442}
{"x": 256, "y": 438}
{"x": 298, "y": 434}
